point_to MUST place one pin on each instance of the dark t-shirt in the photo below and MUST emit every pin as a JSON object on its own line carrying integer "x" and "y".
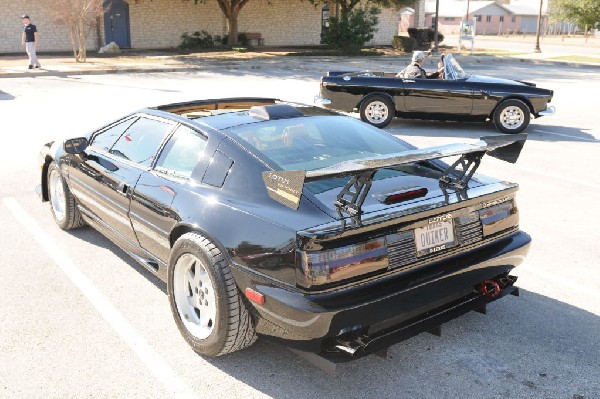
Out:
{"x": 30, "y": 33}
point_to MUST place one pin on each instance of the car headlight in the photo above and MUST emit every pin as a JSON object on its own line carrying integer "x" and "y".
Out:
{"x": 328, "y": 266}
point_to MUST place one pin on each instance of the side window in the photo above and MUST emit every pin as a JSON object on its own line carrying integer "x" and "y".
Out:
{"x": 141, "y": 141}
{"x": 104, "y": 140}
{"x": 182, "y": 152}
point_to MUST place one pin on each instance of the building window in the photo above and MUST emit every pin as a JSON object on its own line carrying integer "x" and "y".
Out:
{"x": 478, "y": 18}
{"x": 501, "y": 18}
{"x": 514, "y": 18}
{"x": 488, "y": 18}
{"x": 433, "y": 22}
{"x": 449, "y": 18}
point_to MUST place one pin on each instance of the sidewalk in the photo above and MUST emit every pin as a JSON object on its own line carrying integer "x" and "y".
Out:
{"x": 156, "y": 61}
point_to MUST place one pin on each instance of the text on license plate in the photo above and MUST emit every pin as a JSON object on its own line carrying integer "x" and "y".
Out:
{"x": 434, "y": 237}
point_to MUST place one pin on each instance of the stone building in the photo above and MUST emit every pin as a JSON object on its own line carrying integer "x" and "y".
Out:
{"x": 158, "y": 24}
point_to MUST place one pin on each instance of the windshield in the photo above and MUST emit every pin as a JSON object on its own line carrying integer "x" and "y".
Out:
{"x": 453, "y": 68}
{"x": 316, "y": 142}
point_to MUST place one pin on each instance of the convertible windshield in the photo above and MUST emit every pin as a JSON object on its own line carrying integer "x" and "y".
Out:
{"x": 455, "y": 71}
{"x": 316, "y": 142}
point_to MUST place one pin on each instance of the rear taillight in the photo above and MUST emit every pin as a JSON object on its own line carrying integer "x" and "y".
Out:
{"x": 329, "y": 266}
{"x": 499, "y": 217}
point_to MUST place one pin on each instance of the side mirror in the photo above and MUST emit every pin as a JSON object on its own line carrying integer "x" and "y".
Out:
{"x": 75, "y": 146}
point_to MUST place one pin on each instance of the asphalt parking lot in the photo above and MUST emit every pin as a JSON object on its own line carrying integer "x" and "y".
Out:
{"x": 79, "y": 318}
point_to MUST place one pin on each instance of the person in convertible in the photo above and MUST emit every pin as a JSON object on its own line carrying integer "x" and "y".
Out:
{"x": 415, "y": 69}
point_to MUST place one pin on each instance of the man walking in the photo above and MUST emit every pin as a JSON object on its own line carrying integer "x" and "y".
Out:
{"x": 29, "y": 40}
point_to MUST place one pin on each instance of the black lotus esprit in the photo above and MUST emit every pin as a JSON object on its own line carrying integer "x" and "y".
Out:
{"x": 459, "y": 96}
{"x": 293, "y": 222}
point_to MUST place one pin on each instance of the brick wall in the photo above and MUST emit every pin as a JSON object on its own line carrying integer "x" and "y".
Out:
{"x": 51, "y": 36}
{"x": 158, "y": 24}
{"x": 389, "y": 19}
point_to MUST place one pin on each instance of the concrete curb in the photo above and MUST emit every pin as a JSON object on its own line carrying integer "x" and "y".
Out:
{"x": 318, "y": 67}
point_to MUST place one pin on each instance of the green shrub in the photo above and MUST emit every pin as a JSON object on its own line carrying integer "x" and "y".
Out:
{"x": 404, "y": 43}
{"x": 196, "y": 40}
{"x": 349, "y": 32}
{"x": 242, "y": 40}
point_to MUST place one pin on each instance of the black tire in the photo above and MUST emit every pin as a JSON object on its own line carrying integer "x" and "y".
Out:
{"x": 62, "y": 203}
{"x": 377, "y": 110}
{"x": 511, "y": 116}
{"x": 196, "y": 261}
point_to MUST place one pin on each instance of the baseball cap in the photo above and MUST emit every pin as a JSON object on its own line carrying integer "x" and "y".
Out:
{"x": 25, "y": 16}
{"x": 418, "y": 55}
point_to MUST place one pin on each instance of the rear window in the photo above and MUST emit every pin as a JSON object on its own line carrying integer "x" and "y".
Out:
{"x": 316, "y": 142}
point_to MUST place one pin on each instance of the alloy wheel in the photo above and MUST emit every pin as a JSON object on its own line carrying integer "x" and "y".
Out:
{"x": 194, "y": 296}
{"x": 57, "y": 194}
{"x": 376, "y": 112}
{"x": 512, "y": 117}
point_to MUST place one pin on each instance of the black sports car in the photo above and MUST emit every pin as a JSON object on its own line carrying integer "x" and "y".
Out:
{"x": 380, "y": 96}
{"x": 293, "y": 222}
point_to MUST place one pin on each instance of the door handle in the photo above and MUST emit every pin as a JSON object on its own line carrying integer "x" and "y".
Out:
{"x": 122, "y": 188}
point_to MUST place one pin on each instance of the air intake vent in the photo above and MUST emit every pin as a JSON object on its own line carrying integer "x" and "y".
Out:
{"x": 272, "y": 112}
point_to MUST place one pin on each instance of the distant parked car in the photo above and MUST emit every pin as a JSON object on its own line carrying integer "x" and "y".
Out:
{"x": 379, "y": 97}
{"x": 293, "y": 222}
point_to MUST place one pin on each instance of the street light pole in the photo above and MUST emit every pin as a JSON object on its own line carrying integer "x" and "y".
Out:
{"x": 467, "y": 15}
{"x": 435, "y": 32}
{"x": 539, "y": 28}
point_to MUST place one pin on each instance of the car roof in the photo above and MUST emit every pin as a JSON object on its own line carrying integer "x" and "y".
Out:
{"x": 230, "y": 112}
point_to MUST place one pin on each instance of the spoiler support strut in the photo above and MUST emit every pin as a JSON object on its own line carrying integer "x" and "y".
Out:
{"x": 468, "y": 165}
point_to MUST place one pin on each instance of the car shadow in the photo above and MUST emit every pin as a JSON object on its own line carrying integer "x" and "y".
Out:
{"x": 6, "y": 96}
{"x": 420, "y": 128}
{"x": 94, "y": 237}
{"x": 527, "y": 346}
{"x": 531, "y": 346}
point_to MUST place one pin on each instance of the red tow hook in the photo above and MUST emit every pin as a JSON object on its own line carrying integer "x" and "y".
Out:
{"x": 489, "y": 288}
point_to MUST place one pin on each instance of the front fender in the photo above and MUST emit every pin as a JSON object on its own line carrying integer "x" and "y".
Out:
{"x": 50, "y": 152}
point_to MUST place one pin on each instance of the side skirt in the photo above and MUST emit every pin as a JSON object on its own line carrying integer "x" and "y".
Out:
{"x": 139, "y": 254}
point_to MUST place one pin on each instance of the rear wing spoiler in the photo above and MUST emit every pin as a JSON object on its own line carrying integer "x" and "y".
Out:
{"x": 285, "y": 186}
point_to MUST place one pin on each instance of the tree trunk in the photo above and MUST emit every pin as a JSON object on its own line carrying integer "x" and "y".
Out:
{"x": 232, "y": 25}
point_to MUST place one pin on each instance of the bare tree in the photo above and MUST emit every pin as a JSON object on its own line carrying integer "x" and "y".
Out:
{"x": 230, "y": 9}
{"x": 79, "y": 16}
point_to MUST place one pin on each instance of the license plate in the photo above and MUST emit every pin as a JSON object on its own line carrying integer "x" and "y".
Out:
{"x": 436, "y": 236}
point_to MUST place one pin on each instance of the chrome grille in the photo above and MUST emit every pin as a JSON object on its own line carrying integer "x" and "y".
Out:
{"x": 403, "y": 252}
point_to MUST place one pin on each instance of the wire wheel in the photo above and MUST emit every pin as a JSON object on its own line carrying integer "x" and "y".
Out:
{"x": 194, "y": 296}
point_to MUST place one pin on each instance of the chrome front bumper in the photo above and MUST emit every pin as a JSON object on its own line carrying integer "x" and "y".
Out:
{"x": 548, "y": 111}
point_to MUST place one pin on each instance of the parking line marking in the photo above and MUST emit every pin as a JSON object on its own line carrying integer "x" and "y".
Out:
{"x": 566, "y": 135}
{"x": 152, "y": 360}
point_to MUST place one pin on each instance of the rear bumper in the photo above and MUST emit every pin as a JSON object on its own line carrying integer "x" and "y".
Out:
{"x": 387, "y": 311}
{"x": 320, "y": 101}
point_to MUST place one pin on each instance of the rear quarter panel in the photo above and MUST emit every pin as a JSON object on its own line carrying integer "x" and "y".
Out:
{"x": 346, "y": 92}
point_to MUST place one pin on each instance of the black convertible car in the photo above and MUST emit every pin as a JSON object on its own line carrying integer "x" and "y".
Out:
{"x": 293, "y": 222}
{"x": 380, "y": 96}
